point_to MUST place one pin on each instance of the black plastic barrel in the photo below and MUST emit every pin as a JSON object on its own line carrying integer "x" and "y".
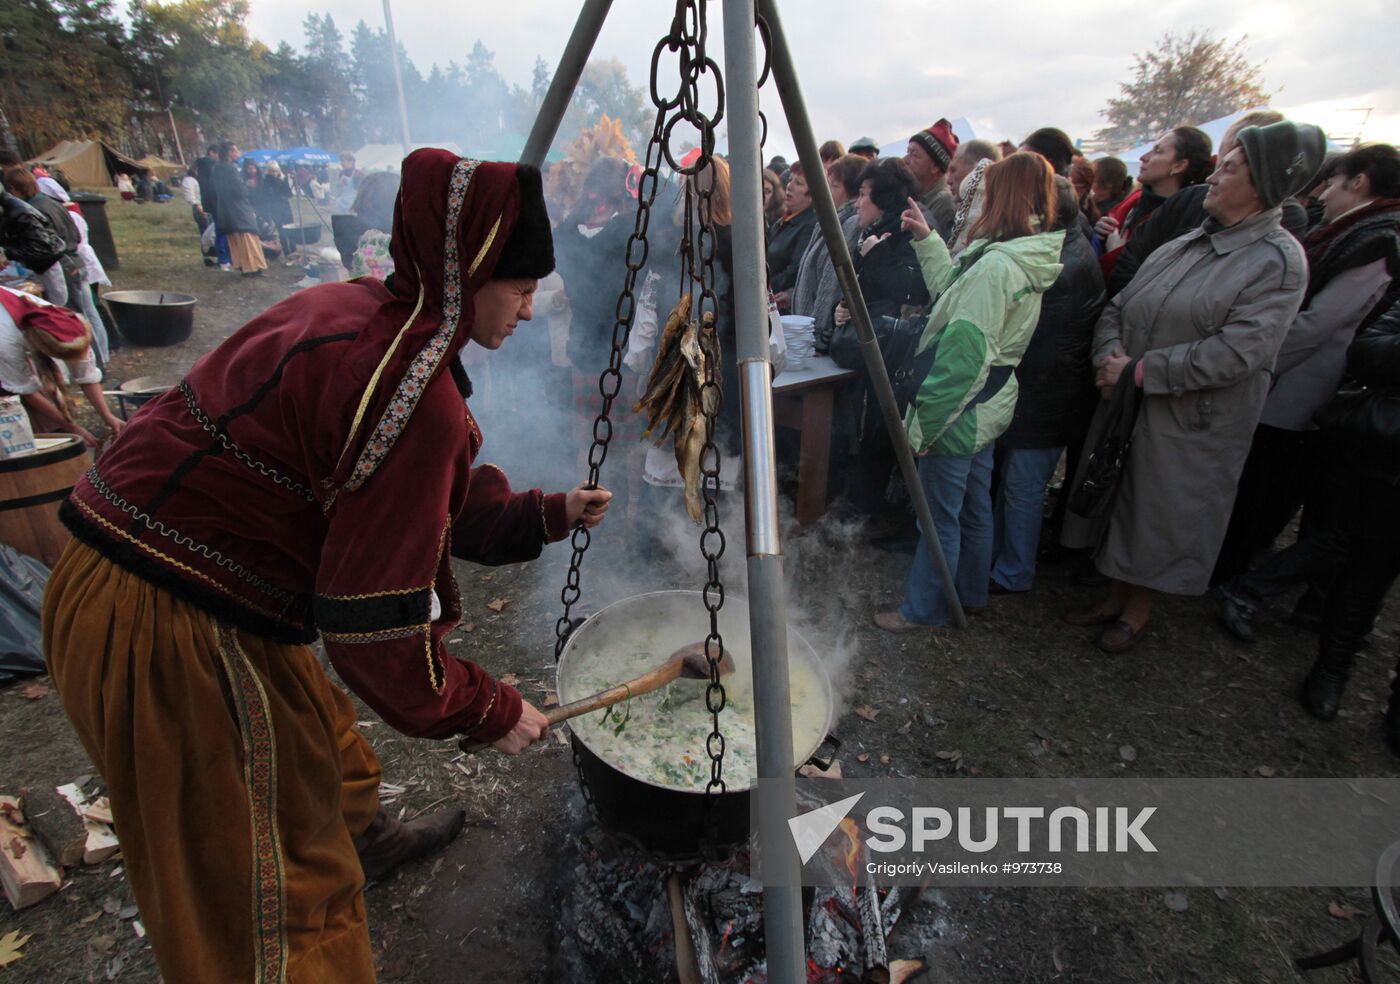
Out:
{"x": 99, "y": 230}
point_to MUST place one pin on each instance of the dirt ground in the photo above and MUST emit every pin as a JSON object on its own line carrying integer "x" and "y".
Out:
{"x": 1017, "y": 693}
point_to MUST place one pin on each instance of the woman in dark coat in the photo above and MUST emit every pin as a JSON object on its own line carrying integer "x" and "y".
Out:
{"x": 234, "y": 214}
{"x": 889, "y": 280}
{"x": 274, "y": 203}
{"x": 789, "y": 236}
{"x": 1364, "y": 426}
{"x": 1055, "y": 402}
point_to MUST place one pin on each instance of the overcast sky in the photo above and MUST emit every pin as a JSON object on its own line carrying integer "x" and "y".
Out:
{"x": 885, "y": 68}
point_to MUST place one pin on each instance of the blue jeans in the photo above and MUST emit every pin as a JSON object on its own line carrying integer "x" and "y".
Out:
{"x": 1019, "y": 511}
{"x": 959, "y": 494}
{"x": 221, "y": 248}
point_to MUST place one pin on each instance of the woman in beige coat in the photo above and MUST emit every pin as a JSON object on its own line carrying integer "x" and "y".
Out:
{"x": 1198, "y": 328}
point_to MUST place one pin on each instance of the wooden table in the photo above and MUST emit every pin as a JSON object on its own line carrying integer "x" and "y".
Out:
{"x": 803, "y": 400}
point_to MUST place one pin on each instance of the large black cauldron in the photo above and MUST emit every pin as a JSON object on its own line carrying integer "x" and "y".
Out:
{"x": 151, "y": 317}
{"x": 665, "y": 819}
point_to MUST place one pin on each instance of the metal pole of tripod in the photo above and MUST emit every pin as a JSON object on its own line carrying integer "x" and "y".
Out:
{"x": 775, "y": 797}
{"x": 566, "y": 76}
{"x": 398, "y": 79}
{"x": 800, "y": 125}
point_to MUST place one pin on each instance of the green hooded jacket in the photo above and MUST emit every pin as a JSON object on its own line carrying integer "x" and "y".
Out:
{"x": 988, "y": 303}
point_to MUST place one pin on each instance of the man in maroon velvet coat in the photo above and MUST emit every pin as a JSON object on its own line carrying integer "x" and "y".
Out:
{"x": 312, "y": 475}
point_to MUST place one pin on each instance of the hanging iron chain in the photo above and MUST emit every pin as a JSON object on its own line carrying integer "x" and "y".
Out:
{"x": 698, "y": 248}
{"x": 610, "y": 380}
{"x": 686, "y": 41}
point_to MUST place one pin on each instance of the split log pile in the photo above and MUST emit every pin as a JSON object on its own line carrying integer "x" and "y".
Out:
{"x": 46, "y": 830}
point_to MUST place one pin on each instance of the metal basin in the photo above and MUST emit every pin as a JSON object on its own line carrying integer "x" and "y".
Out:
{"x": 151, "y": 317}
{"x": 672, "y": 816}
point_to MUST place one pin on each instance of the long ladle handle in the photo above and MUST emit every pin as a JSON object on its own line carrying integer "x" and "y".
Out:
{"x": 644, "y": 684}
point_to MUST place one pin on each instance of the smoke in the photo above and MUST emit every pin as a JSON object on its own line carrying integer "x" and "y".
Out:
{"x": 524, "y": 403}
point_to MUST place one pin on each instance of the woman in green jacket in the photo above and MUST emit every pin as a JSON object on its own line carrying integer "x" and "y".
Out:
{"x": 988, "y": 302}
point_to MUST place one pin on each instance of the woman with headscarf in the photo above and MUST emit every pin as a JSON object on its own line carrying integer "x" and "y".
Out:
{"x": 274, "y": 204}
{"x": 1196, "y": 332}
{"x": 312, "y": 474}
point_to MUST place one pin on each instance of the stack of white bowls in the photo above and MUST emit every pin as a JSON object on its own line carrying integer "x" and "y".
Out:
{"x": 799, "y": 333}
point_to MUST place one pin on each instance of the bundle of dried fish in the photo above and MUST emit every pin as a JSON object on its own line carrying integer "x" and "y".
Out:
{"x": 687, "y": 352}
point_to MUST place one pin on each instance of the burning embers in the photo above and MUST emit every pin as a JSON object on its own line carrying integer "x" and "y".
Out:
{"x": 624, "y": 919}
{"x": 848, "y": 931}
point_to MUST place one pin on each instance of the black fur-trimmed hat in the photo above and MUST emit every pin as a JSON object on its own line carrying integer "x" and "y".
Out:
{"x": 529, "y": 252}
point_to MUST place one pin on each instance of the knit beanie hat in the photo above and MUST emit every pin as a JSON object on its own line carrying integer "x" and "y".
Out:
{"x": 1283, "y": 157}
{"x": 939, "y": 141}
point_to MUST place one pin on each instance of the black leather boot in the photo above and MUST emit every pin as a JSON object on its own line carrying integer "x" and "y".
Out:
{"x": 389, "y": 843}
{"x": 1322, "y": 691}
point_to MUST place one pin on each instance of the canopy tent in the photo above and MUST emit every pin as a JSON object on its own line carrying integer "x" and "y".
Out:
{"x": 260, "y": 156}
{"x": 389, "y": 157}
{"x": 305, "y": 155}
{"x": 88, "y": 163}
{"x": 160, "y": 167}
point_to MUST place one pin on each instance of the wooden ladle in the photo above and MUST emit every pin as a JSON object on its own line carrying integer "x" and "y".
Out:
{"x": 687, "y": 663}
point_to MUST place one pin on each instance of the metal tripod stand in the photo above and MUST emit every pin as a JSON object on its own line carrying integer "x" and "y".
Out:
{"x": 776, "y": 791}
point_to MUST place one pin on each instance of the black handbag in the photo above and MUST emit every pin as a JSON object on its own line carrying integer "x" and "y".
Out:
{"x": 1103, "y": 469}
{"x": 898, "y": 338}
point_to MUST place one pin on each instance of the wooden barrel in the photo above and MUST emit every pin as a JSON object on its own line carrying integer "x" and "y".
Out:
{"x": 31, "y": 488}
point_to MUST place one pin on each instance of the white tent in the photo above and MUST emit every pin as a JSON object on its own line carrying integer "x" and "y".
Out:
{"x": 963, "y": 129}
{"x": 389, "y": 157}
{"x": 1215, "y": 129}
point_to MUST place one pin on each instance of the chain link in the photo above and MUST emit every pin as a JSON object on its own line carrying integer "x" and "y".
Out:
{"x": 686, "y": 41}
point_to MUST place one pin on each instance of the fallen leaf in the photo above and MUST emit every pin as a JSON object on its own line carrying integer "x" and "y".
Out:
{"x": 102, "y": 943}
{"x": 550, "y": 698}
{"x": 884, "y": 760}
{"x": 10, "y": 945}
{"x": 469, "y": 627}
{"x": 1222, "y": 894}
{"x": 905, "y": 970}
{"x": 498, "y": 604}
{"x": 1055, "y": 959}
{"x": 867, "y": 712}
{"x": 511, "y": 679}
{"x": 33, "y": 690}
{"x": 128, "y": 912}
{"x": 1266, "y": 771}
{"x": 1176, "y": 901}
{"x": 1342, "y": 911}
{"x": 1127, "y": 753}
{"x": 952, "y": 756}
{"x": 863, "y": 757}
